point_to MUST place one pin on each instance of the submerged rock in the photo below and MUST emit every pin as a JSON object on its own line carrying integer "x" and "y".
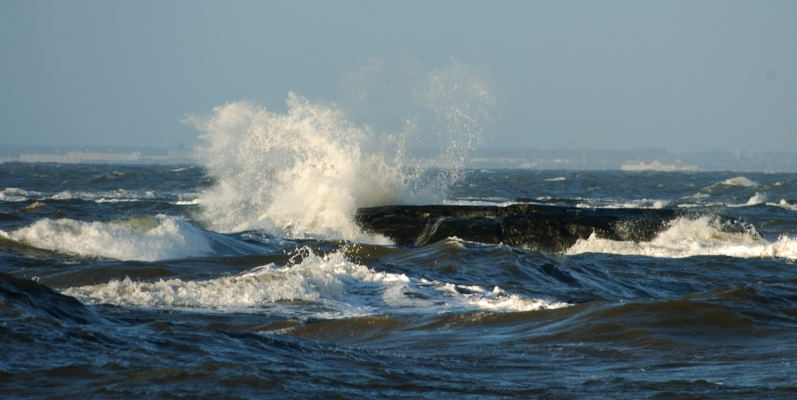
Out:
{"x": 529, "y": 226}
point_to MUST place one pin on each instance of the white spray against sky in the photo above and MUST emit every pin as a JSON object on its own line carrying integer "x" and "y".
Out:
{"x": 304, "y": 173}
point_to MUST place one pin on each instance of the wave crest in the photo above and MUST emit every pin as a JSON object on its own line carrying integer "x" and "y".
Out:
{"x": 144, "y": 238}
{"x": 325, "y": 286}
{"x": 687, "y": 237}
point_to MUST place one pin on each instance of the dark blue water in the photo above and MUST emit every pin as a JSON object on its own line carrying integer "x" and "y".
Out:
{"x": 114, "y": 284}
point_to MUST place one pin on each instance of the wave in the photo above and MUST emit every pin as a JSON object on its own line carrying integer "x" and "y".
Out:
{"x": 115, "y": 196}
{"x": 636, "y": 203}
{"x": 305, "y": 172}
{"x": 784, "y": 204}
{"x": 32, "y": 301}
{"x": 756, "y": 199}
{"x": 738, "y": 181}
{"x": 13, "y": 194}
{"x": 146, "y": 238}
{"x": 329, "y": 286}
{"x": 730, "y": 184}
{"x": 687, "y": 237}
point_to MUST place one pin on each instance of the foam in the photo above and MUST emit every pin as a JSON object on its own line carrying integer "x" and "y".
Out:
{"x": 739, "y": 181}
{"x": 298, "y": 174}
{"x": 754, "y": 200}
{"x": 327, "y": 286}
{"x": 692, "y": 237}
{"x": 14, "y": 194}
{"x": 305, "y": 172}
{"x": 758, "y": 198}
{"x": 115, "y": 196}
{"x": 142, "y": 238}
{"x": 638, "y": 203}
{"x": 496, "y": 201}
{"x": 784, "y": 204}
{"x": 186, "y": 202}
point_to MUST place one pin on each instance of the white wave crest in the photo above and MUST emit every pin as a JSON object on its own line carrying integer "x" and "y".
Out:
{"x": 327, "y": 286}
{"x": 636, "y": 203}
{"x": 784, "y": 204}
{"x": 739, "y": 181}
{"x": 758, "y": 198}
{"x": 692, "y": 237}
{"x": 114, "y": 196}
{"x": 142, "y": 238}
{"x": 16, "y": 194}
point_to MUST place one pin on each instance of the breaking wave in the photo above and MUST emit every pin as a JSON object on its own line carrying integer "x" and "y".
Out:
{"x": 693, "y": 237}
{"x": 146, "y": 238}
{"x": 328, "y": 286}
{"x": 305, "y": 172}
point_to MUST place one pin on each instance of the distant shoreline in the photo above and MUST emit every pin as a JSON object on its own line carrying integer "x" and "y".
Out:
{"x": 502, "y": 158}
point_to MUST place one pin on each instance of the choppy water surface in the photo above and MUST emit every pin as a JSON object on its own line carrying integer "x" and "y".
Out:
{"x": 143, "y": 281}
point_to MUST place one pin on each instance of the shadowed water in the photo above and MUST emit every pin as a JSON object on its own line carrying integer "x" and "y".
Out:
{"x": 113, "y": 285}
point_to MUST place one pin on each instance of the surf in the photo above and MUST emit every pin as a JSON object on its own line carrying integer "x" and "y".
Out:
{"x": 687, "y": 237}
{"x": 311, "y": 285}
{"x": 303, "y": 173}
{"x": 144, "y": 238}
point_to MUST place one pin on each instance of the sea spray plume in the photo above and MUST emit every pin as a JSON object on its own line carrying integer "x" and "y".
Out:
{"x": 462, "y": 105}
{"x": 297, "y": 174}
{"x": 443, "y": 114}
{"x": 304, "y": 173}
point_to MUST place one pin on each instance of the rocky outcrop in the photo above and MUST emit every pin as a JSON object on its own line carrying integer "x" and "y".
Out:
{"x": 529, "y": 226}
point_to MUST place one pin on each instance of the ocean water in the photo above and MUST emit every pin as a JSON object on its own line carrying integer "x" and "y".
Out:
{"x": 245, "y": 277}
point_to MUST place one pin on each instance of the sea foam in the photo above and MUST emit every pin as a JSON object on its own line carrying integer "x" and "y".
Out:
{"x": 687, "y": 237}
{"x": 146, "y": 238}
{"x": 329, "y": 286}
{"x": 16, "y": 194}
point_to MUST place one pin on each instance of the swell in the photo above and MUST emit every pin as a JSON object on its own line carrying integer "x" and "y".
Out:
{"x": 687, "y": 237}
{"x": 31, "y": 298}
{"x": 143, "y": 238}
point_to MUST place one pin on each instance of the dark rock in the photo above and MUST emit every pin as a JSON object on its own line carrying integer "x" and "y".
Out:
{"x": 529, "y": 226}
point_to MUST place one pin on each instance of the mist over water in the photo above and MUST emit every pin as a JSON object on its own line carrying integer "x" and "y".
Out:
{"x": 305, "y": 172}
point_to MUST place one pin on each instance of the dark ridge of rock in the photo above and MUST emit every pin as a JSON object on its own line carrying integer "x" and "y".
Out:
{"x": 529, "y": 226}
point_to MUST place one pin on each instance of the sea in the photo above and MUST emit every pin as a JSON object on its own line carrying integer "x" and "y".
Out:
{"x": 153, "y": 281}
{"x": 245, "y": 275}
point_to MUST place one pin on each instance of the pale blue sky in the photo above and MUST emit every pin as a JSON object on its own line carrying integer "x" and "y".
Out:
{"x": 678, "y": 75}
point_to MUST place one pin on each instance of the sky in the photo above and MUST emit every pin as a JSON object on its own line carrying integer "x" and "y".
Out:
{"x": 611, "y": 75}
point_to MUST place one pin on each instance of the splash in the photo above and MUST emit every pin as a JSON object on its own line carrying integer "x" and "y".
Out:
{"x": 305, "y": 172}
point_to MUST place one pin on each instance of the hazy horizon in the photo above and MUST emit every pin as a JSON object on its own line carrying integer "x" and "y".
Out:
{"x": 616, "y": 75}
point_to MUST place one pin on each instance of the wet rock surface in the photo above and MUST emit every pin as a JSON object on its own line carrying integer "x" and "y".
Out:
{"x": 529, "y": 226}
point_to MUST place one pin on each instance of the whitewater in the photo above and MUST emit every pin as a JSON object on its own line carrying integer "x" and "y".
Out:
{"x": 247, "y": 275}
